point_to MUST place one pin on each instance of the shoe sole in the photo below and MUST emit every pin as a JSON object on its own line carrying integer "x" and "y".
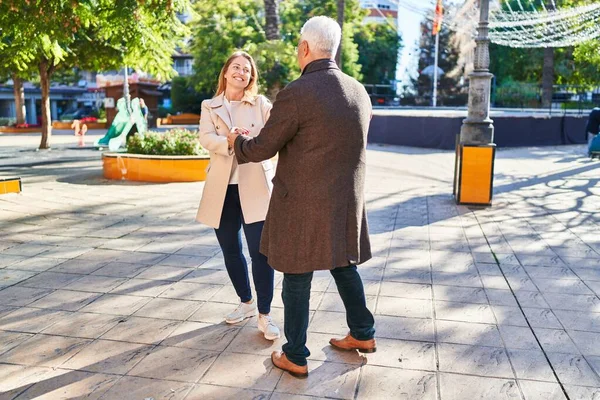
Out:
{"x": 268, "y": 337}
{"x": 368, "y": 351}
{"x": 236, "y": 321}
{"x": 294, "y": 374}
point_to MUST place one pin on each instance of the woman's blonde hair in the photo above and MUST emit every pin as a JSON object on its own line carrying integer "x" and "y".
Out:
{"x": 252, "y": 88}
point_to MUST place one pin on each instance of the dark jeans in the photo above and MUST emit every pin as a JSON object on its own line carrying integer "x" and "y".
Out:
{"x": 229, "y": 236}
{"x": 296, "y": 296}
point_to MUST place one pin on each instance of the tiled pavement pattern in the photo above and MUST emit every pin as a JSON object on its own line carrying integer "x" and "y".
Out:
{"x": 111, "y": 291}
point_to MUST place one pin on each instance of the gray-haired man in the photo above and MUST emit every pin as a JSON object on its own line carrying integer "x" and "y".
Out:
{"x": 316, "y": 218}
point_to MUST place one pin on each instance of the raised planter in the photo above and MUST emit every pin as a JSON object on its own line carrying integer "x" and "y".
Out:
{"x": 12, "y": 129}
{"x": 147, "y": 168}
{"x": 69, "y": 124}
{"x": 181, "y": 119}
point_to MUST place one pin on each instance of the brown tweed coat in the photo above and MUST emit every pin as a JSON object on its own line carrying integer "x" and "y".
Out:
{"x": 316, "y": 218}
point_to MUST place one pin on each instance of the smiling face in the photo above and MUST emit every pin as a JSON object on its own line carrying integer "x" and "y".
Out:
{"x": 239, "y": 73}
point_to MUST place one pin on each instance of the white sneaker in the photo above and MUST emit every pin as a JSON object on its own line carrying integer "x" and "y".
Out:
{"x": 242, "y": 312}
{"x": 268, "y": 327}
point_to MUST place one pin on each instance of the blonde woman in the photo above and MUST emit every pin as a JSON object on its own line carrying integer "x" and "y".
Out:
{"x": 237, "y": 196}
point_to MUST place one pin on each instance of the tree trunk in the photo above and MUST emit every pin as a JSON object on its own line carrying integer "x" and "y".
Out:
{"x": 272, "y": 19}
{"x": 341, "y": 5}
{"x": 19, "y": 94}
{"x": 45, "y": 72}
{"x": 547, "y": 77}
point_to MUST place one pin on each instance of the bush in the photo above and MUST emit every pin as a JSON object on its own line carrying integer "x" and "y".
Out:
{"x": 7, "y": 121}
{"x": 184, "y": 98}
{"x": 175, "y": 142}
{"x": 164, "y": 111}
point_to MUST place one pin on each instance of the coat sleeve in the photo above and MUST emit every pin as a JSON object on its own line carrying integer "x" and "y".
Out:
{"x": 280, "y": 128}
{"x": 209, "y": 138}
{"x": 266, "y": 107}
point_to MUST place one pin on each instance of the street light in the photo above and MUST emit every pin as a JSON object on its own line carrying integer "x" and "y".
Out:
{"x": 475, "y": 150}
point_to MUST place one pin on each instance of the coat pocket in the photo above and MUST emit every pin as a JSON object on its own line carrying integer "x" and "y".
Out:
{"x": 279, "y": 187}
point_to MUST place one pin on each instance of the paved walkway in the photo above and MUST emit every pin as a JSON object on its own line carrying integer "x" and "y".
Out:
{"x": 111, "y": 291}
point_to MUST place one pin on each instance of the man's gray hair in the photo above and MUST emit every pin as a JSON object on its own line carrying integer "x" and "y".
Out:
{"x": 323, "y": 35}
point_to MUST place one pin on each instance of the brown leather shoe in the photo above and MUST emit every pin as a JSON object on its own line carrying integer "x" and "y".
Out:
{"x": 280, "y": 360}
{"x": 349, "y": 343}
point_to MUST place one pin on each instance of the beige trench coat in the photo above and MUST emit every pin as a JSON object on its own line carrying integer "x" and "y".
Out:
{"x": 254, "y": 184}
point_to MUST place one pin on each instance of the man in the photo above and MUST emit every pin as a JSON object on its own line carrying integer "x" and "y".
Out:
{"x": 316, "y": 218}
{"x": 593, "y": 128}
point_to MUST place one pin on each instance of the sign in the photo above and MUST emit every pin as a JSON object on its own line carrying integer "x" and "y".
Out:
{"x": 109, "y": 102}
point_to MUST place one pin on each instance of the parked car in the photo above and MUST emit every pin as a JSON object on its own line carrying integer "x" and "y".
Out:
{"x": 79, "y": 113}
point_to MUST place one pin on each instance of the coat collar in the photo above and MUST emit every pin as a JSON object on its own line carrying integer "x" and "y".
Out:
{"x": 319, "y": 65}
{"x": 217, "y": 105}
{"x": 218, "y": 101}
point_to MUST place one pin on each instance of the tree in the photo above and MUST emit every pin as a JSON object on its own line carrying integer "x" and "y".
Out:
{"x": 98, "y": 35}
{"x": 378, "y": 47}
{"x": 272, "y": 20}
{"x": 450, "y": 89}
{"x": 341, "y": 6}
{"x": 221, "y": 27}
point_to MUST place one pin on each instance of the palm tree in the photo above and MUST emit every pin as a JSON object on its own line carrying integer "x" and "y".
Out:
{"x": 341, "y": 5}
{"x": 272, "y": 19}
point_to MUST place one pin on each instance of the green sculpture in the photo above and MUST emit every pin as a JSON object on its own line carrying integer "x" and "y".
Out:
{"x": 122, "y": 124}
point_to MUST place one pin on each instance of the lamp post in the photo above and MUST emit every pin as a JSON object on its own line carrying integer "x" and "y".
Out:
{"x": 126, "y": 88}
{"x": 475, "y": 150}
{"x": 478, "y": 127}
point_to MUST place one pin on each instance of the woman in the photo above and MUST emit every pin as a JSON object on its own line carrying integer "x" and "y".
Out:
{"x": 237, "y": 196}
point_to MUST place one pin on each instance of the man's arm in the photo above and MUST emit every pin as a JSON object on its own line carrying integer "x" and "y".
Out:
{"x": 281, "y": 127}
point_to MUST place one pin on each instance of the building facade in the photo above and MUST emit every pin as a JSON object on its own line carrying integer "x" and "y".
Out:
{"x": 380, "y": 11}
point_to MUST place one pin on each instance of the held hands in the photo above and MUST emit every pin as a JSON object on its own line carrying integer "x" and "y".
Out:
{"x": 234, "y": 133}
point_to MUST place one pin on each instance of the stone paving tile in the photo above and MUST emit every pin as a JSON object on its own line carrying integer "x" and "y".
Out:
{"x": 175, "y": 364}
{"x": 460, "y": 387}
{"x": 116, "y": 304}
{"x": 50, "y": 280}
{"x": 465, "y": 312}
{"x": 71, "y": 384}
{"x": 250, "y": 340}
{"x": 107, "y": 356}
{"x": 555, "y": 341}
{"x": 190, "y": 291}
{"x": 36, "y": 264}
{"x": 66, "y": 300}
{"x": 388, "y": 383}
{"x": 14, "y": 379}
{"x": 573, "y": 369}
{"x": 531, "y": 364}
{"x": 202, "y": 336}
{"x": 141, "y": 330}
{"x": 120, "y": 270}
{"x": 582, "y": 393}
{"x": 144, "y": 388}
{"x": 44, "y": 351}
{"x": 403, "y": 328}
{"x": 405, "y": 354}
{"x": 468, "y": 333}
{"x": 142, "y": 287}
{"x": 79, "y": 266}
{"x": 82, "y": 325}
{"x": 10, "y": 340}
{"x": 474, "y": 360}
{"x": 253, "y": 372}
{"x": 174, "y": 309}
{"x": 164, "y": 273}
{"x": 534, "y": 390}
{"x": 325, "y": 379}
{"x": 212, "y": 392}
{"x": 460, "y": 294}
{"x": 32, "y": 320}
{"x": 586, "y": 342}
{"x": 9, "y": 277}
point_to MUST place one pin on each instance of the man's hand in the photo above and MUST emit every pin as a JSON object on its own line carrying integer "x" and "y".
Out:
{"x": 234, "y": 133}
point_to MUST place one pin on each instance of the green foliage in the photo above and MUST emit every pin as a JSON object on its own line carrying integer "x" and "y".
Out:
{"x": 184, "y": 97}
{"x": 378, "y": 47}
{"x": 7, "y": 121}
{"x": 221, "y": 27}
{"x": 579, "y": 65}
{"x": 517, "y": 94}
{"x": 175, "y": 142}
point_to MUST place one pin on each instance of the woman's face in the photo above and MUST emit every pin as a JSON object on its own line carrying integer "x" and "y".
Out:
{"x": 239, "y": 73}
